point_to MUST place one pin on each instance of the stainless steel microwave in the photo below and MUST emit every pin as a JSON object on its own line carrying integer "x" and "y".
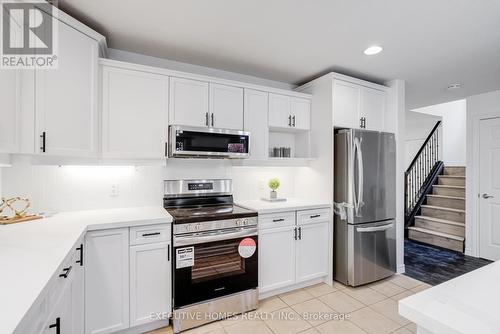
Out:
{"x": 193, "y": 142}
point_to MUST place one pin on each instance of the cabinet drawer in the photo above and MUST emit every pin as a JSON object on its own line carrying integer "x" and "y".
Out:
{"x": 276, "y": 220}
{"x": 149, "y": 234}
{"x": 313, "y": 216}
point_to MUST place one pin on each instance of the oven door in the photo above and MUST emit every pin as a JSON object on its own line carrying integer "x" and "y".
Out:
{"x": 208, "y": 142}
{"x": 215, "y": 264}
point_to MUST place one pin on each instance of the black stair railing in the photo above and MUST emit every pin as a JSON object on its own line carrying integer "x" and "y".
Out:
{"x": 421, "y": 174}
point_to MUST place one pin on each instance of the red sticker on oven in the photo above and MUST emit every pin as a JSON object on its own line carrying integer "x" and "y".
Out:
{"x": 247, "y": 248}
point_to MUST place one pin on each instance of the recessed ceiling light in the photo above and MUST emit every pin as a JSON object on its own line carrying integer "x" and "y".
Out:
{"x": 454, "y": 86}
{"x": 373, "y": 50}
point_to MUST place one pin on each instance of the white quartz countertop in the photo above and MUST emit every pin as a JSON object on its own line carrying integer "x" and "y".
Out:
{"x": 291, "y": 204}
{"x": 466, "y": 304}
{"x": 31, "y": 252}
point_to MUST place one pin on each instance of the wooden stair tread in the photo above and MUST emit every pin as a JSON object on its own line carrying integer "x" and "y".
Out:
{"x": 452, "y": 176}
{"x": 447, "y": 186}
{"x": 446, "y": 196}
{"x": 438, "y": 234}
{"x": 442, "y": 208}
{"x": 442, "y": 221}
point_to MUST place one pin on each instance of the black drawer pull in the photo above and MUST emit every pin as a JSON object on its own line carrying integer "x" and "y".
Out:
{"x": 315, "y": 216}
{"x": 57, "y": 326}
{"x": 66, "y": 272}
{"x": 151, "y": 234}
{"x": 81, "y": 255}
{"x": 278, "y": 220}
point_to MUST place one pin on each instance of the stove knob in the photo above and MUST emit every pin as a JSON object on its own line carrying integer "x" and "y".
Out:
{"x": 198, "y": 227}
{"x": 244, "y": 222}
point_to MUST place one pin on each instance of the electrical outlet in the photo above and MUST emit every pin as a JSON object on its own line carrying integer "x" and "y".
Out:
{"x": 115, "y": 190}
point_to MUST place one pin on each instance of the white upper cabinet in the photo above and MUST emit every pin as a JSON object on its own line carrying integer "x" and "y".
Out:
{"x": 290, "y": 113}
{"x": 279, "y": 111}
{"x": 134, "y": 113}
{"x": 346, "y": 104}
{"x": 189, "y": 102}
{"x": 9, "y": 112}
{"x": 256, "y": 111}
{"x": 373, "y": 108}
{"x": 300, "y": 109}
{"x": 66, "y": 97}
{"x": 226, "y": 107}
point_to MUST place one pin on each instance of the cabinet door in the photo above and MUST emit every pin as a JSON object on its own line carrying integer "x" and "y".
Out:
{"x": 279, "y": 111}
{"x": 150, "y": 282}
{"x": 300, "y": 109}
{"x": 226, "y": 107}
{"x": 312, "y": 251}
{"x": 276, "y": 258}
{"x": 256, "y": 111}
{"x": 346, "y": 104}
{"x": 373, "y": 104}
{"x": 66, "y": 97}
{"x": 9, "y": 112}
{"x": 60, "y": 320}
{"x": 134, "y": 106}
{"x": 78, "y": 296}
{"x": 106, "y": 281}
{"x": 188, "y": 102}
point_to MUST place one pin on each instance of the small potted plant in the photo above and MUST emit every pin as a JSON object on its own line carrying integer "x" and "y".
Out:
{"x": 273, "y": 184}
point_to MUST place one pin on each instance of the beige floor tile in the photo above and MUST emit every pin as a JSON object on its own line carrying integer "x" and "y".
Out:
{"x": 402, "y": 295}
{"x": 320, "y": 289}
{"x": 271, "y": 304}
{"x": 405, "y": 281}
{"x": 412, "y": 327}
{"x": 310, "y": 331}
{"x": 295, "y": 297}
{"x": 387, "y": 288}
{"x": 314, "y": 311}
{"x": 163, "y": 330}
{"x": 421, "y": 287}
{"x": 339, "y": 286}
{"x": 389, "y": 308}
{"x": 340, "y": 327}
{"x": 341, "y": 302}
{"x": 205, "y": 329}
{"x": 286, "y": 321}
{"x": 365, "y": 295}
{"x": 373, "y": 322}
{"x": 248, "y": 327}
{"x": 402, "y": 330}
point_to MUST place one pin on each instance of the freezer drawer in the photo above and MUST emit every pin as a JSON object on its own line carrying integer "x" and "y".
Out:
{"x": 364, "y": 253}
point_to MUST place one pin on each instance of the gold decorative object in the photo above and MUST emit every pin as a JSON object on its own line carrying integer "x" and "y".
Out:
{"x": 19, "y": 212}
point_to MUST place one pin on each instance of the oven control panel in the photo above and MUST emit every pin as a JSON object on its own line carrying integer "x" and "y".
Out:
{"x": 214, "y": 225}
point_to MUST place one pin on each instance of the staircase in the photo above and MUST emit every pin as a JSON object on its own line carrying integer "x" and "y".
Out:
{"x": 441, "y": 221}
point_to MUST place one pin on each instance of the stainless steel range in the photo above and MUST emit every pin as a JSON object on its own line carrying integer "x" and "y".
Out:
{"x": 215, "y": 268}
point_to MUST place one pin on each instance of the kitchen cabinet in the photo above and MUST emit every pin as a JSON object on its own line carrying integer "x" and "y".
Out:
{"x": 303, "y": 251}
{"x": 134, "y": 113}
{"x": 9, "y": 112}
{"x": 150, "y": 277}
{"x": 106, "y": 281}
{"x": 189, "y": 102}
{"x": 66, "y": 97}
{"x": 291, "y": 113}
{"x": 226, "y": 107}
{"x": 61, "y": 318}
{"x": 358, "y": 107}
{"x": 276, "y": 258}
{"x": 255, "y": 122}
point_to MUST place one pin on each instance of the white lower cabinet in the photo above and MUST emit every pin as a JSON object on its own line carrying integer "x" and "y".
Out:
{"x": 150, "y": 277}
{"x": 107, "y": 281}
{"x": 293, "y": 249}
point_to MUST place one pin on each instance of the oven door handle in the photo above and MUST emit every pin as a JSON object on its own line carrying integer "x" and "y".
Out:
{"x": 187, "y": 240}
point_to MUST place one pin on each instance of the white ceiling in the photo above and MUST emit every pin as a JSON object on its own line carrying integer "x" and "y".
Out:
{"x": 428, "y": 43}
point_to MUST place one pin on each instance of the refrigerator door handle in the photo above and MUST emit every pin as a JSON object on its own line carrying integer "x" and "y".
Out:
{"x": 359, "y": 156}
{"x": 374, "y": 228}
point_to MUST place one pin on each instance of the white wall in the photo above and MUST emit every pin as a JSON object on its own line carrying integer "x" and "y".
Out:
{"x": 67, "y": 188}
{"x": 454, "y": 130}
{"x": 478, "y": 107}
{"x": 417, "y": 127}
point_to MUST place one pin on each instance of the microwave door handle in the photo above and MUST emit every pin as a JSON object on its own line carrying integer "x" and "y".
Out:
{"x": 374, "y": 228}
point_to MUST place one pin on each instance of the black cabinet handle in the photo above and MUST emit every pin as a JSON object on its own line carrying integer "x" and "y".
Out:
{"x": 57, "y": 326}
{"x": 212, "y": 117}
{"x": 168, "y": 253}
{"x": 43, "y": 138}
{"x": 66, "y": 272}
{"x": 81, "y": 255}
{"x": 278, "y": 220}
{"x": 290, "y": 120}
{"x": 293, "y": 121}
{"x": 300, "y": 233}
{"x": 206, "y": 119}
{"x": 151, "y": 234}
{"x": 314, "y": 216}
{"x": 294, "y": 233}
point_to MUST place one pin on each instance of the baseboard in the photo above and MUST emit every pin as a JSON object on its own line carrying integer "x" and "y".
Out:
{"x": 145, "y": 328}
{"x": 401, "y": 269}
{"x": 289, "y": 288}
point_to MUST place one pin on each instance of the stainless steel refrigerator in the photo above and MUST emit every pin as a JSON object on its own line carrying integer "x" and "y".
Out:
{"x": 365, "y": 205}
